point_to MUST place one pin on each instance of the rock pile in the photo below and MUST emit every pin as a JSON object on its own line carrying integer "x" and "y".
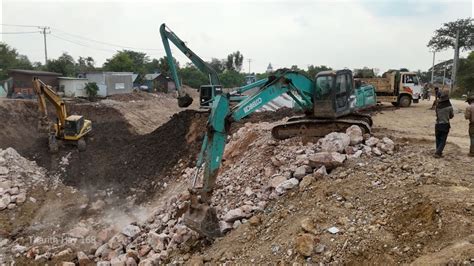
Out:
{"x": 256, "y": 170}
{"x": 17, "y": 175}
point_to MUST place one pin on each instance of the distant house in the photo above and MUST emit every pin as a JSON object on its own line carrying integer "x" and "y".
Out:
{"x": 111, "y": 83}
{"x": 73, "y": 87}
{"x": 22, "y": 85}
{"x": 159, "y": 82}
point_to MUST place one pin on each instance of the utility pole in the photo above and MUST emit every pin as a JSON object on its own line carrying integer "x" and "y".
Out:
{"x": 249, "y": 60}
{"x": 455, "y": 62}
{"x": 44, "y": 32}
{"x": 432, "y": 68}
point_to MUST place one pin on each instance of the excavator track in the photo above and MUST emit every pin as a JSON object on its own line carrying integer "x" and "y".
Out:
{"x": 317, "y": 127}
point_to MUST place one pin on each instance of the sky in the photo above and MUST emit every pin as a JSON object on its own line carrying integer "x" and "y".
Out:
{"x": 381, "y": 34}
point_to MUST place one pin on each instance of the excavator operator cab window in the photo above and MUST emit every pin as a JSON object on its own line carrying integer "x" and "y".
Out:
{"x": 323, "y": 87}
{"x": 73, "y": 127}
{"x": 207, "y": 93}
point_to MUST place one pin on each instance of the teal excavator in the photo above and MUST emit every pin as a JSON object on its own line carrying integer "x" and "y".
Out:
{"x": 330, "y": 102}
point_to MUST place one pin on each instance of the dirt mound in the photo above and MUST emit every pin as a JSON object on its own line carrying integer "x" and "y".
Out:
{"x": 136, "y": 96}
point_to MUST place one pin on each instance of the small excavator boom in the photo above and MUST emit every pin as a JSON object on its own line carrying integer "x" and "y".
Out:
{"x": 167, "y": 35}
{"x": 45, "y": 92}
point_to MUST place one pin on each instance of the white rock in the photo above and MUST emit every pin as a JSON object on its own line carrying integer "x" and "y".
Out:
{"x": 376, "y": 151}
{"x": 333, "y": 230}
{"x": 4, "y": 201}
{"x": 334, "y": 142}
{"x": 329, "y": 159}
{"x": 288, "y": 184}
{"x": 235, "y": 214}
{"x": 4, "y": 170}
{"x": 131, "y": 230}
{"x": 300, "y": 172}
{"x": 372, "y": 141}
{"x": 321, "y": 171}
{"x": 355, "y": 134}
{"x": 248, "y": 191}
{"x": 357, "y": 154}
{"x": 276, "y": 181}
{"x": 225, "y": 226}
{"x": 21, "y": 198}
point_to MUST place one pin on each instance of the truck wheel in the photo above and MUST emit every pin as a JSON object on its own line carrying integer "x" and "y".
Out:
{"x": 81, "y": 144}
{"x": 404, "y": 101}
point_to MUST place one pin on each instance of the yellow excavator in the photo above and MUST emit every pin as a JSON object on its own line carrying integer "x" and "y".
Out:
{"x": 69, "y": 129}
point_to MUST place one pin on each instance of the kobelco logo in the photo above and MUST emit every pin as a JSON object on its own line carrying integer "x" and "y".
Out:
{"x": 252, "y": 105}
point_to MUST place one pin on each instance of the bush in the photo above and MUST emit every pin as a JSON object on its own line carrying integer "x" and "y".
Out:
{"x": 91, "y": 89}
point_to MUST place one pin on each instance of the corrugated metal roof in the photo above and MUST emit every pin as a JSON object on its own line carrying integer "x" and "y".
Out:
{"x": 151, "y": 76}
{"x": 34, "y": 72}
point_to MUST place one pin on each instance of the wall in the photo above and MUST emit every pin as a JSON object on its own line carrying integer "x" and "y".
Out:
{"x": 118, "y": 83}
{"x": 23, "y": 83}
{"x": 99, "y": 79}
{"x": 73, "y": 87}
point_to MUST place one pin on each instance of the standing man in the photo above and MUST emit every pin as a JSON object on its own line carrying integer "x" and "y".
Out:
{"x": 469, "y": 115}
{"x": 444, "y": 112}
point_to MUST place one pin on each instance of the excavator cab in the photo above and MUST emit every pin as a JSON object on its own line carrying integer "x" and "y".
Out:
{"x": 73, "y": 125}
{"x": 207, "y": 94}
{"x": 333, "y": 94}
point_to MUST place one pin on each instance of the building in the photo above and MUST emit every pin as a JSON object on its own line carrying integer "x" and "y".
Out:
{"x": 22, "y": 85}
{"x": 159, "y": 82}
{"x": 73, "y": 87}
{"x": 111, "y": 83}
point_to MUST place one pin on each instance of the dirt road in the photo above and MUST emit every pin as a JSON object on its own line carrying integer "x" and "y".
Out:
{"x": 418, "y": 122}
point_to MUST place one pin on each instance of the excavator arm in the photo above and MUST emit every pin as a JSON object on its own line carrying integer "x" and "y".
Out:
{"x": 45, "y": 92}
{"x": 200, "y": 216}
{"x": 167, "y": 35}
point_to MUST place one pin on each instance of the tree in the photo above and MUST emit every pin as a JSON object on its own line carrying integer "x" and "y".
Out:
{"x": 364, "y": 73}
{"x": 128, "y": 61}
{"x": 65, "y": 65}
{"x": 85, "y": 64}
{"x": 218, "y": 65}
{"x": 192, "y": 76}
{"x": 445, "y": 37}
{"x": 466, "y": 75}
{"x": 9, "y": 58}
{"x": 161, "y": 65}
{"x": 234, "y": 61}
{"x": 313, "y": 70}
{"x": 119, "y": 62}
{"x": 231, "y": 79}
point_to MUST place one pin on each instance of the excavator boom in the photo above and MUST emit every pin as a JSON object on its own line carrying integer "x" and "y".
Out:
{"x": 45, "y": 92}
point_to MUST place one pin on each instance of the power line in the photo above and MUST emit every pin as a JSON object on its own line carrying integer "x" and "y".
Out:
{"x": 19, "y": 32}
{"x": 16, "y": 25}
{"x": 81, "y": 44}
{"x": 106, "y": 43}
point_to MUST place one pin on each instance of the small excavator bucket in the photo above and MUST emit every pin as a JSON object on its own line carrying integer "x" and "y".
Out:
{"x": 185, "y": 101}
{"x": 203, "y": 219}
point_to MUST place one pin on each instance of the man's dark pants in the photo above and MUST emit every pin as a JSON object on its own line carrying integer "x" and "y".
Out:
{"x": 471, "y": 135}
{"x": 441, "y": 133}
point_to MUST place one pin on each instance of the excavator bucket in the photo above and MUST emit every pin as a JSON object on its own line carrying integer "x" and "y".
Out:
{"x": 185, "y": 101}
{"x": 203, "y": 219}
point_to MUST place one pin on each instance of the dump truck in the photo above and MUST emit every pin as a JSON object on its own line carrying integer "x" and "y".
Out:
{"x": 398, "y": 87}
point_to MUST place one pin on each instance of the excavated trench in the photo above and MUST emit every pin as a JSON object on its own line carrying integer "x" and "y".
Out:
{"x": 116, "y": 157}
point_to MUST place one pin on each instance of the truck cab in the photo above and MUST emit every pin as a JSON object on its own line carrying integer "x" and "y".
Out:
{"x": 207, "y": 94}
{"x": 410, "y": 83}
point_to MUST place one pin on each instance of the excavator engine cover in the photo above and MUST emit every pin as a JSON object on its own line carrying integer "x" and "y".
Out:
{"x": 185, "y": 101}
{"x": 203, "y": 219}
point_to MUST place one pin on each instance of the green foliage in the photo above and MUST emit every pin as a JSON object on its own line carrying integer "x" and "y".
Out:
{"x": 445, "y": 37}
{"x": 9, "y": 58}
{"x": 65, "y": 65}
{"x": 313, "y": 70}
{"x": 128, "y": 61}
{"x": 234, "y": 61}
{"x": 192, "y": 77}
{"x": 218, "y": 65}
{"x": 119, "y": 62}
{"x": 466, "y": 75}
{"x": 231, "y": 79}
{"x": 262, "y": 75}
{"x": 364, "y": 73}
{"x": 91, "y": 89}
{"x": 85, "y": 64}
